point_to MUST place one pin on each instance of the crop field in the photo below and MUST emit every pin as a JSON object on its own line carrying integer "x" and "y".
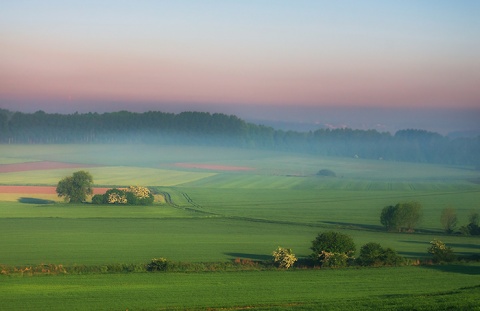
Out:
{"x": 219, "y": 204}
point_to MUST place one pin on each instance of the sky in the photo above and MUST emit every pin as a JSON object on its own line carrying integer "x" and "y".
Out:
{"x": 295, "y": 60}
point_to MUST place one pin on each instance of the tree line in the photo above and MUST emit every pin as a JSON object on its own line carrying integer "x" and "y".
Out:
{"x": 203, "y": 128}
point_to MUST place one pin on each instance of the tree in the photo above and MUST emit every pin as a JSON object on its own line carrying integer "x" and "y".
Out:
{"x": 75, "y": 188}
{"x": 284, "y": 257}
{"x": 448, "y": 219}
{"x": 388, "y": 218}
{"x": 333, "y": 249}
{"x": 401, "y": 217}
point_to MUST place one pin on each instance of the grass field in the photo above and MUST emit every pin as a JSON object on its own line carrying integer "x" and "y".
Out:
{"x": 220, "y": 215}
{"x": 406, "y": 288}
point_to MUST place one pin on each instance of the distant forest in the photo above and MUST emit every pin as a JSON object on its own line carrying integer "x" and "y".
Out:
{"x": 217, "y": 129}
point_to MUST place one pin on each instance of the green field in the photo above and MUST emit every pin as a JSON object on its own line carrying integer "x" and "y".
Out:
{"x": 406, "y": 288}
{"x": 220, "y": 215}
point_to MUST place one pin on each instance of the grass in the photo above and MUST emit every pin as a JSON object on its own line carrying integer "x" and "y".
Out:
{"x": 109, "y": 176}
{"x": 365, "y": 289}
{"x": 220, "y": 216}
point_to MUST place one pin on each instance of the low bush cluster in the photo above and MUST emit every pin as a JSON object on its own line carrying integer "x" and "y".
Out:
{"x": 133, "y": 195}
{"x": 373, "y": 254}
{"x": 158, "y": 264}
{"x": 333, "y": 249}
{"x": 33, "y": 270}
{"x": 473, "y": 227}
{"x": 327, "y": 173}
{"x": 441, "y": 252}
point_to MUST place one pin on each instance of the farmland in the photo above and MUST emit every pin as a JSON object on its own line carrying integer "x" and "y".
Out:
{"x": 219, "y": 214}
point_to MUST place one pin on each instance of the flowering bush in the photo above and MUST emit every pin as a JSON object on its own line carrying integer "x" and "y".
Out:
{"x": 132, "y": 195}
{"x": 333, "y": 249}
{"x": 284, "y": 257}
{"x": 333, "y": 260}
{"x": 139, "y": 192}
{"x": 158, "y": 264}
{"x": 139, "y": 195}
{"x": 115, "y": 196}
{"x": 441, "y": 252}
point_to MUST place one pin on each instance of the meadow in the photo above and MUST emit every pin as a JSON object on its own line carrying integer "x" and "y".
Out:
{"x": 218, "y": 215}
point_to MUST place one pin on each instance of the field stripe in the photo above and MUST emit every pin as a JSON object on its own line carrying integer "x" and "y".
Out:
{"x": 39, "y": 190}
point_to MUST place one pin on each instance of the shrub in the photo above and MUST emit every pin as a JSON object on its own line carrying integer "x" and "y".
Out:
{"x": 137, "y": 195}
{"x": 158, "y": 264}
{"x": 97, "y": 199}
{"x": 333, "y": 260}
{"x": 284, "y": 257}
{"x": 132, "y": 195}
{"x": 370, "y": 254}
{"x": 373, "y": 254}
{"x": 115, "y": 196}
{"x": 391, "y": 258}
{"x": 441, "y": 252}
{"x": 472, "y": 228}
{"x": 326, "y": 172}
{"x": 333, "y": 249}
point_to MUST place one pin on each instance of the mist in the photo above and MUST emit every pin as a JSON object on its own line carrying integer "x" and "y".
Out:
{"x": 454, "y": 122}
{"x": 222, "y": 130}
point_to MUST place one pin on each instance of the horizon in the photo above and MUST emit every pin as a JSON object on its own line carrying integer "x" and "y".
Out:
{"x": 445, "y": 121}
{"x": 363, "y": 65}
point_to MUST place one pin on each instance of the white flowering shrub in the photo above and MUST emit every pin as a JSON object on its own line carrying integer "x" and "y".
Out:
{"x": 116, "y": 196}
{"x": 441, "y": 252}
{"x": 284, "y": 257}
{"x": 333, "y": 259}
{"x": 158, "y": 264}
{"x": 133, "y": 195}
{"x": 137, "y": 195}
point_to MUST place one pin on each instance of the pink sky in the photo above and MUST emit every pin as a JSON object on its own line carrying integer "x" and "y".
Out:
{"x": 284, "y": 55}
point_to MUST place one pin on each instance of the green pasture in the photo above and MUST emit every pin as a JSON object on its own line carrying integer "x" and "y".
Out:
{"x": 220, "y": 215}
{"x": 89, "y": 234}
{"x": 406, "y": 288}
{"x": 109, "y": 176}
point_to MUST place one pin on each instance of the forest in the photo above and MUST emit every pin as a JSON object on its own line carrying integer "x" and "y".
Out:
{"x": 217, "y": 129}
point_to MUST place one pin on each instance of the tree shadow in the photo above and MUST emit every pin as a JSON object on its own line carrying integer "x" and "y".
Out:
{"x": 413, "y": 254}
{"x": 34, "y": 201}
{"x": 452, "y": 245}
{"x": 257, "y": 257}
{"x": 354, "y": 226}
{"x": 415, "y": 242}
{"x": 461, "y": 245}
{"x": 462, "y": 269}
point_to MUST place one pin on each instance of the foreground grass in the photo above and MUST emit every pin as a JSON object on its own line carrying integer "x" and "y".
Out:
{"x": 455, "y": 288}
